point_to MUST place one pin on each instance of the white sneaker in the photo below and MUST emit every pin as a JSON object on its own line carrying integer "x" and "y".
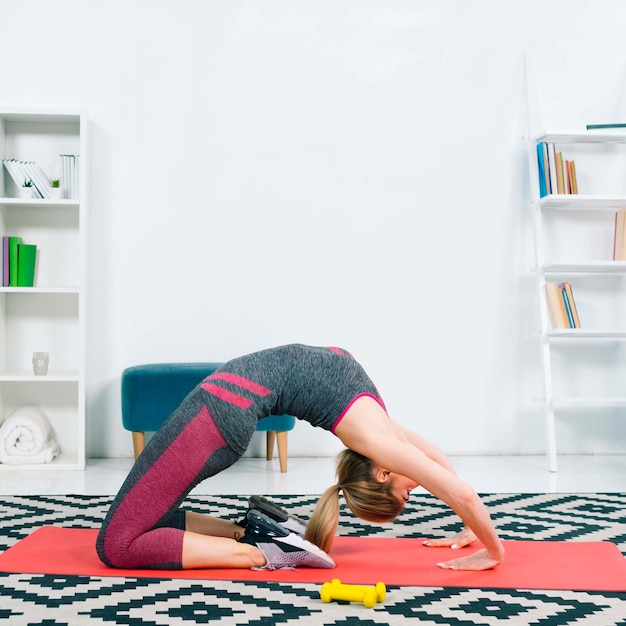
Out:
{"x": 281, "y": 548}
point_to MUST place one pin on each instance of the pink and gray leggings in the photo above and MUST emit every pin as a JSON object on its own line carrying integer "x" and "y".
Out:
{"x": 144, "y": 526}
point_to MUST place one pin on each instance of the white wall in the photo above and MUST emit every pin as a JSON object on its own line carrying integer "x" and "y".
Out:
{"x": 331, "y": 172}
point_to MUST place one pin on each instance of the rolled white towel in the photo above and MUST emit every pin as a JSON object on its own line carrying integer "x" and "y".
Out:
{"x": 25, "y": 438}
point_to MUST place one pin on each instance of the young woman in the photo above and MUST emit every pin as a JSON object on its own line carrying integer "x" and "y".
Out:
{"x": 146, "y": 528}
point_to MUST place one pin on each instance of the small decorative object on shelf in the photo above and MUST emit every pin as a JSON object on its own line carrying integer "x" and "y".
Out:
{"x": 27, "y": 190}
{"x": 40, "y": 363}
{"x": 55, "y": 189}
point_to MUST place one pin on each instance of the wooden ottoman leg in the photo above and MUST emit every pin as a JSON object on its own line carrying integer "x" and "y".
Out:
{"x": 270, "y": 437}
{"x": 139, "y": 443}
{"x": 282, "y": 449}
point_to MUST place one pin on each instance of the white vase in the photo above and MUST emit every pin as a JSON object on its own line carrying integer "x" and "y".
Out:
{"x": 26, "y": 192}
{"x": 55, "y": 193}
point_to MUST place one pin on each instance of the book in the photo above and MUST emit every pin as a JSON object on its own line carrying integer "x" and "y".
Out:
{"x": 69, "y": 175}
{"x": 559, "y": 173}
{"x": 567, "y": 183}
{"x": 574, "y": 182}
{"x": 542, "y": 161}
{"x": 568, "y": 295}
{"x": 600, "y": 126}
{"x": 556, "y": 306}
{"x": 619, "y": 236}
{"x": 5, "y": 261}
{"x": 547, "y": 172}
{"x": 552, "y": 168}
{"x": 40, "y": 181}
{"x": 18, "y": 175}
{"x": 14, "y": 242}
{"x": 568, "y": 310}
{"x": 27, "y": 255}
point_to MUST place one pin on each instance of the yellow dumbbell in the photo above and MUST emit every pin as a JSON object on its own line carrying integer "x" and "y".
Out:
{"x": 335, "y": 590}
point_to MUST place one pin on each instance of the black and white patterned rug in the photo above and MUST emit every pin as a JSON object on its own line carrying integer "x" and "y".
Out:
{"x": 47, "y": 600}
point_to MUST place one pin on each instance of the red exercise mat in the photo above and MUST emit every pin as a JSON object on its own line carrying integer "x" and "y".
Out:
{"x": 582, "y": 566}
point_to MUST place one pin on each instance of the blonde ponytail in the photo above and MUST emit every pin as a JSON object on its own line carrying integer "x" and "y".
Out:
{"x": 365, "y": 496}
{"x": 323, "y": 524}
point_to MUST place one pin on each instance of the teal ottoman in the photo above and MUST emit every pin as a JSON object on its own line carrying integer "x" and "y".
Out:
{"x": 151, "y": 392}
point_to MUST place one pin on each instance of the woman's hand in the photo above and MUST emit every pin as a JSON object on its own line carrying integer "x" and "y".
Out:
{"x": 475, "y": 562}
{"x": 463, "y": 538}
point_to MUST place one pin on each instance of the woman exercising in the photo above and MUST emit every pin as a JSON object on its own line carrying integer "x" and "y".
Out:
{"x": 211, "y": 429}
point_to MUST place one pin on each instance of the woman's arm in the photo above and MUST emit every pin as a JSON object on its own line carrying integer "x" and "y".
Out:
{"x": 367, "y": 429}
{"x": 429, "y": 449}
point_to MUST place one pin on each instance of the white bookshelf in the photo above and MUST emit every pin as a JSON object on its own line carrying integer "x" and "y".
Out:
{"x": 50, "y": 316}
{"x": 589, "y": 265}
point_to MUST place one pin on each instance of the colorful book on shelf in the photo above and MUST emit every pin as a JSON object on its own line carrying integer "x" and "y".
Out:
{"x": 560, "y": 182}
{"x": 542, "y": 161}
{"x": 5, "y": 261}
{"x": 573, "y": 180}
{"x": 568, "y": 309}
{"x": 570, "y": 305}
{"x": 26, "y": 258}
{"x": 556, "y": 309}
{"x": 14, "y": 243}
{"x": 619, "y": 236}
{"x": 552, "y": 168}
{"x": 605, "y": 126}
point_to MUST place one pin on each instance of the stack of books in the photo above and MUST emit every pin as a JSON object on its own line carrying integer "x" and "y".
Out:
{"x": 69, "y": 175}
{"x": 23, "y": 171}
{"x": 561, "y": 305}
{"x": 18, "y": 262}
{"x": 556, "y": 175}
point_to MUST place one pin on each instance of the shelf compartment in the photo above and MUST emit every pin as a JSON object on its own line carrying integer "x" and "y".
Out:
{"x": 40, "y": 322}
{"x": 37, "y": 138}
{"x": 62, "y": 403}
{"x": 55, "y": 229}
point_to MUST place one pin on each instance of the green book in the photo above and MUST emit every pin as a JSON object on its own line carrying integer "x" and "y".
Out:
{"x": 27, "y": 255}
{"x": 14, "y": 242}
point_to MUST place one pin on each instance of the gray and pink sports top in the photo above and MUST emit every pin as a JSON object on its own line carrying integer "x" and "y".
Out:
{"x": 314, "y": 384}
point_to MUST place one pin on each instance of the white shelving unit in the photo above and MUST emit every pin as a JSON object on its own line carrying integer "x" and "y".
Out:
{"x": 50, "y": 316}
{"x": 592, "y": 209}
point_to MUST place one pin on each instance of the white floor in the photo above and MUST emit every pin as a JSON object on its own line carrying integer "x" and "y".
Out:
{"x": 492, "y": 474}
